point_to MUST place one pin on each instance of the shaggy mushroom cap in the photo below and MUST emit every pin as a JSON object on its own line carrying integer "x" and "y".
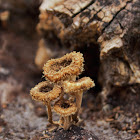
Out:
{"x": 65, "y": 108}
{"x": 63, "y": 68}
{"x": 82, "y": 84}
{"x": 45, "y": 91}
{"x": 4, "y": 15}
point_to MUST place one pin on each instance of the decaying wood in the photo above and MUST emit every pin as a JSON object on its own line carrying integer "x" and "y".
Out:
{"x": 113, "y": 25}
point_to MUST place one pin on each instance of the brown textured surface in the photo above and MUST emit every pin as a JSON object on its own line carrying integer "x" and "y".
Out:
{"x": 110, "y": 27}
{"x": 57, "y": 70}
{"x": 44, "y": 91}
{"x": 21, "y": 118}
{"x": 74, "y": 133}
{"x": 85, "y": 21}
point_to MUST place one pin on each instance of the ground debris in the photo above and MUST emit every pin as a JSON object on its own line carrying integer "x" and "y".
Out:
{"x": 74, "y": 133}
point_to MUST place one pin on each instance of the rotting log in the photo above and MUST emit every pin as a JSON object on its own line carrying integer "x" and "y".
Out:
{"x": 110, "y": 30}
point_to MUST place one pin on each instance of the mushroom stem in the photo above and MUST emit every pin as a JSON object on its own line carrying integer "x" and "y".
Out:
{"x": 79, "y": 96}
{"x": 72, "y": 78}
{"x": 66, "y": 122}
{"x": 49, "y": 112}
{"x": 61, "y": 121}
{"x": 61, "y": 96}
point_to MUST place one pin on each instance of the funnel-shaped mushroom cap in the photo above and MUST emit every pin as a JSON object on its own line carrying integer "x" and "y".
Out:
{"x": 63, "y": 68}
{"x": 82, "y": 84}
{"x": 65, "y": 107}
{"x": 45, "y": 91}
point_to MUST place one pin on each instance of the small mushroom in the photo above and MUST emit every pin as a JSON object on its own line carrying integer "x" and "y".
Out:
{"x": 65, "y": 68}
{"x": 65, "y": 109}
{"x": 43, "y": 54}
{"x": 4, "y": 16}
{"x": 46, "y": 92}
{"x": 60, "y": 77}
{"x": 76, "y": 89}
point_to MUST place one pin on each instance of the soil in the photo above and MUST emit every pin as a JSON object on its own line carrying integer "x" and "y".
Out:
{"x": 23, "y": 118}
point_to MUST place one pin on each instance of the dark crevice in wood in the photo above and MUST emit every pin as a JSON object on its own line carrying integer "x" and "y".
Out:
{"x": 84, "y": 8}
{"x": 95, "y": 16}
{"x": 69, "y": 10}
{"x": 120, "y": 25}
{"x": 114, "y": 17}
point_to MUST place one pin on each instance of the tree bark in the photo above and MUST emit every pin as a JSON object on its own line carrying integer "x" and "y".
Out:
{"x": 112, "y": 27}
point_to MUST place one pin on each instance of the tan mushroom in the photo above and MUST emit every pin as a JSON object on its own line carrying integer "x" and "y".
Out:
{"x": 43, "y": 54}
{"x": 46, "y": 92}
{"x": 65, "y": 109}
{"x": 76, "y": 89}
{"x": 4, "y": 16}
{"x": 61, "y": 78}
{"x": 65, "y": 68}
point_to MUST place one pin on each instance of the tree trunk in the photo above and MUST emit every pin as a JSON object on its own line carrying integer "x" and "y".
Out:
{"x": 107, "y": 33}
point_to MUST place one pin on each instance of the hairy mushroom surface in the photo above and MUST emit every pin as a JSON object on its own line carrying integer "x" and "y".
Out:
{"x": 82, "y": 84}
{"x": 76, "y": 89}
{"x": 46, "y": 92}
{"x": 65, "y": 109}
{"x": 60, "y": 75}
{"x": 67, "y": 67}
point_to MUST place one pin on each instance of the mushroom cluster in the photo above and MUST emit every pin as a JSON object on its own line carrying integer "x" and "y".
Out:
{"x": 62, "y": 92}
